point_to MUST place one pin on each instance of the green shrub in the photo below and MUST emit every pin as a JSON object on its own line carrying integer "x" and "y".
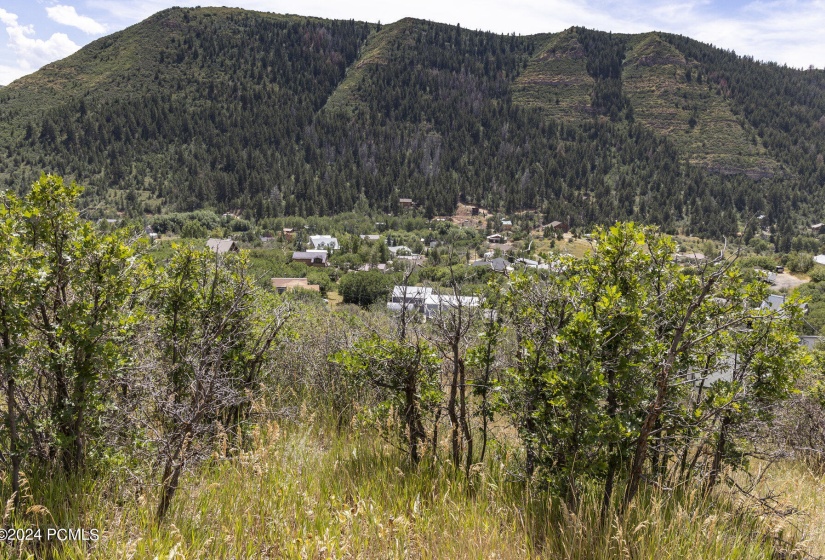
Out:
{"x": 365, "y": 288}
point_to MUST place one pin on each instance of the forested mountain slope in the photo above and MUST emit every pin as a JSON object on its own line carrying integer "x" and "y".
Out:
{"x": 275, "y": 115}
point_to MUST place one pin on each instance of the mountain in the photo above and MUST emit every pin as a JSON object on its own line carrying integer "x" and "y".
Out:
{"x": 273, "y": 115}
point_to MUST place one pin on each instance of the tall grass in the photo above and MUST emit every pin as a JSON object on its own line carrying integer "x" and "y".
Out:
{"x": 307, "y": 492}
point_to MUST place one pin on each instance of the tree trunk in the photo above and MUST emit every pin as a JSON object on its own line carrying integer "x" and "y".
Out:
{"x": 465, "y": 421}
{"x": 612, "y": 467}
{"x": 613, "y": 461}
{"x": 411, "y": 417}
{"x": 11, "y": 421}
{"x": 171, "y": 476}
{"x": 451, "y": 411}
{"x": 168, "y": 489}
{"x": 718, "y": 454}
{"x": 655, "y": 408}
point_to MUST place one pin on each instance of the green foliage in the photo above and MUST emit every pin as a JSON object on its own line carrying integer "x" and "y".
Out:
{"x": 365, "y": 288}
{"x": 174, "y": 222}
{"x": 806, "y": 244}
{"x": 799, "y": 262}
{"x": 320, "y": 278}
{"x": 183, "y": 112}
{"x": 192, "y": 230}
{"x": 817, "y": 273}
{"x": 78, "y": 322}
{"x": 625, "y": 327}
{"x": 763, "y": 262}
{"x": 405, "y": 374}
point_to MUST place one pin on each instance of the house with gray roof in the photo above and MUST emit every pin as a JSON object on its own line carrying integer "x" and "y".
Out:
{"x": 221, "y": 246}
{"x": 497, "y": 264}
{"x": 310, "y": 258}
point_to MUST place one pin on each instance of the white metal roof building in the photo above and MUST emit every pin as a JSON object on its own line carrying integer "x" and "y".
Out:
{"x": 324, "y": 242}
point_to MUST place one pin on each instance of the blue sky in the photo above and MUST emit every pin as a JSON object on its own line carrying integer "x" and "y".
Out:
{"x": 792, "y": 32}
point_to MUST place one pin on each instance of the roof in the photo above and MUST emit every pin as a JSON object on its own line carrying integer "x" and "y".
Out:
{"x": 221, "y": 246}
{"x": 506, "y": 222}
{"x": 326, "y": 241}
{"x": 494, "y": 236}
{"x": 371, "y": 237}
{"x": 810, "y": 341}
{"x": 556, "y": 223}
{"x": 366, "y": 267}
{"x": 309, "y": 255}
{"x": 819, "y": 259}
{"x": 403, "y": 248}
{"x": 498, "y": 264}
{"x": 411, "y": 292}
{"x": 774, "y": 302}
{"x": 405, "y": 200}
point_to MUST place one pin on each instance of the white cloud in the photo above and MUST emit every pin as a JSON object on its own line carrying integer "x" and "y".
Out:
{"x": 10, "y": 73}
{"x": 67, "y": 15}
{"x": 8, "y": 18}
{"x": 31, "y": 53}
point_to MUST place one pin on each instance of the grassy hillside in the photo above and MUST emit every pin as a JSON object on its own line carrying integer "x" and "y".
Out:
{"x": 670, "y": 95}
{"x": 556, "y": 79}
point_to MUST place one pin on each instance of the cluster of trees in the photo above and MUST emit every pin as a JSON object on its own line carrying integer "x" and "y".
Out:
{"x": 279, "y": 128}
{"x": 104, "y": 351}
{"x": 615, "y": 369}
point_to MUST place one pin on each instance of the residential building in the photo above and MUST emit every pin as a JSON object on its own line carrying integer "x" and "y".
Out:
{"x": 689, "y": 258}
{"x": 310, "y": 258}
{"x": 324, "y": 242}
{"x": 399, "y": 250}
{"x": 438, "y": 303}
{"x": 411, "y": 295}
{"x": 497, "y": 264}
{"x": 221, "y": 246}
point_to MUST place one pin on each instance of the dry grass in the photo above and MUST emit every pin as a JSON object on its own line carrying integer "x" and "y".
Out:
{"x": 308, "y": 493}
{"x": 799, "y": 491}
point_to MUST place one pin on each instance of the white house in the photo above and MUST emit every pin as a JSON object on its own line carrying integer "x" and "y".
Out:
{"x": 324, "y": 242}
{"x": 400, "y": 249}
{"x": 437, "y": 303}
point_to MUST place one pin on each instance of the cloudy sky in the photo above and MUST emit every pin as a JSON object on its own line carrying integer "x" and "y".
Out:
{"x": 792, "y": 32}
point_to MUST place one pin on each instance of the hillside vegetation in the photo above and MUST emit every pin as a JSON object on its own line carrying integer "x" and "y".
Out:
{"x": 282, "y": 115}
{"x": 617, "y": 404}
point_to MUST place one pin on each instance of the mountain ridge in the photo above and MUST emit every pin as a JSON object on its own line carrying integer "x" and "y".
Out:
{"x": 417, "y": 108}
